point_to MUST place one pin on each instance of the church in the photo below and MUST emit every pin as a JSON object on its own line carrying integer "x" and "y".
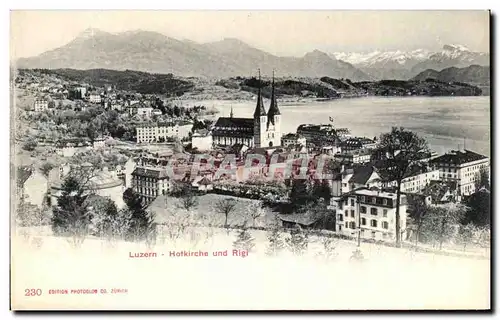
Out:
{"x": 263, "y": 130}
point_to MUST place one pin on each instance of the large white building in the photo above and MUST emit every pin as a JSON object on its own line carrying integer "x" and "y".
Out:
{"x": 264, "y": 130}
{"x": 462, "y": 167}
{"x": 372, "y": 213}
{"x": 417, "y": 182}
{"x": 156, "y": 133}
{"x": 150, "y": 182}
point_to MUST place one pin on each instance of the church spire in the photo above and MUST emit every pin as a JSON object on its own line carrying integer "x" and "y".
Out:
{"x": 259, "y": 108}
{"x": 273, "y": 108}
{"x": 231, "y": 114}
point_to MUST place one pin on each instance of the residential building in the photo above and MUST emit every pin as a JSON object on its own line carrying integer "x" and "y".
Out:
{"x": 161, "y": 132}
{"x": 202, "y": 183}
{"x": 95, "y": 98}
{"x": 349, "y": 179}
{"x": 150, "y": 182}
{"x": 416, "y": 182}
{"x": 263, "y": 130}
{"x": 372, "y": 213}
{"x": 292, "y": 139}
{"x": 319, "y": 134}
{"x": 116, "y": 106}
{"x": 40, "y": 105}
{"x": 357, "y": 143}
{"x": 461, "y": 166}
{"x": 354, "y": 156}
{"x": 330, "y": 150}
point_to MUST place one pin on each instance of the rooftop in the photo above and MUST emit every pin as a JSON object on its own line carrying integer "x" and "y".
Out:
{"x": 458, "y": 157}
{"x": 362, "y": 174}
{"x": 225, "y": 122}
{"x": 150, "y": 172}
{"x": 299, "y": 218}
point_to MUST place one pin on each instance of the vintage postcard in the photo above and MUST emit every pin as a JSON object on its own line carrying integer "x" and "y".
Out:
{"x": 250, "y": 160}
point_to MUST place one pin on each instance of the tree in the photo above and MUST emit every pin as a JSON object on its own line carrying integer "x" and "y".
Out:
{"x": 402, "y": 149}
{"x": 244, "y": 241}
{"x": 299, "y": 194}
{"x": 142, "y": 226}
{"x": 418, "y": 214}
{"x": 484, "y": 237}
{"x": 28, "y": 215}
{"x": 329, "y": 245}
{"x": 276, "y": 243}
{"x": 298, "y": 241}
{"x": 71, "y": 216}
{"x": 104, "y": 213}
{"x": 465, "y": 234}
{"x": 322, "y": 190}
{"x": 188, "y": 198}
{"x": 30, "y": 145}
{"x": 478, "y": 209}
{"x": 225, "y": 206}
{"x": 441, "y": 223}
{"x": 255, "y": 211}
{"x": 45, "y": 168}
{"x": 482, "y": 179}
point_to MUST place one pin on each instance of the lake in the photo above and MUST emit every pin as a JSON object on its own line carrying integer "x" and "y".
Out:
{"x": 443, "y": 121}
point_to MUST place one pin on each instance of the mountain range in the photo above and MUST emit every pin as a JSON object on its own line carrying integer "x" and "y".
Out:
{"x": 154, "y": 52}
{"x": 477, "y": 75}
{"x": 408, "y": 64}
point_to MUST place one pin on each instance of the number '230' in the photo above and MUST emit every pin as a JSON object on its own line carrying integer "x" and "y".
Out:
{"x": 32, "y": 292}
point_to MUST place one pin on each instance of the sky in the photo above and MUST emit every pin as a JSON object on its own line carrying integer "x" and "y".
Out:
{"x": 284, "y": 33}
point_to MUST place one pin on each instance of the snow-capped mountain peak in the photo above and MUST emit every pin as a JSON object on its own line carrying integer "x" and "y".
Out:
{"x": 455, "y": 47}
{"x": 396, "y": 58}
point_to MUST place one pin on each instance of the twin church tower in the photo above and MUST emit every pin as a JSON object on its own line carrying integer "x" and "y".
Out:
{"x": 267, "y": 126}
{"x": 264, "y": 130}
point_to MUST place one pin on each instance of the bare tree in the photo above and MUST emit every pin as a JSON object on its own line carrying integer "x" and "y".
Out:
{"x": 418, "y": 214}
{"x": 225, "y": 206}
{"x": 188, "y": 199}
{"x": 441, "y": 223}
{"x": 402, "y": 149}
{"x": 482, "y": 179}
{"x": 465, "y": 234}
{"x": 255, "y": 210}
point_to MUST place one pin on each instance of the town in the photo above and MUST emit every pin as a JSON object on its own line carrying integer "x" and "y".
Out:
{"x": 109, "y": 151}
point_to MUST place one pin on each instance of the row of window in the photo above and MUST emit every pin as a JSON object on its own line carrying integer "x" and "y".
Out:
{"x": 365, "y": 199}
{"x": 373, "y": 211}
{"x": 373, "y": 224}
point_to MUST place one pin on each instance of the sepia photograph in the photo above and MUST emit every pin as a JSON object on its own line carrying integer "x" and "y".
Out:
{"x": 250, "y": 160}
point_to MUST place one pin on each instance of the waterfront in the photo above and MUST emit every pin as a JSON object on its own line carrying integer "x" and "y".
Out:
{"x": 443, "y": 121}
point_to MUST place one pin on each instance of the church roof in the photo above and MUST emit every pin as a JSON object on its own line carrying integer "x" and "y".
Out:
{"x": 224, "y": 122}
{"x": 273, "y": 108}
{"x": 259, "y": 108}
{"x": 233, "y": 127}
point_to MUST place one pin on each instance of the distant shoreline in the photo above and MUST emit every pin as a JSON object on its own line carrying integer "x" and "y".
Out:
{"x": 303, "y": 101}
